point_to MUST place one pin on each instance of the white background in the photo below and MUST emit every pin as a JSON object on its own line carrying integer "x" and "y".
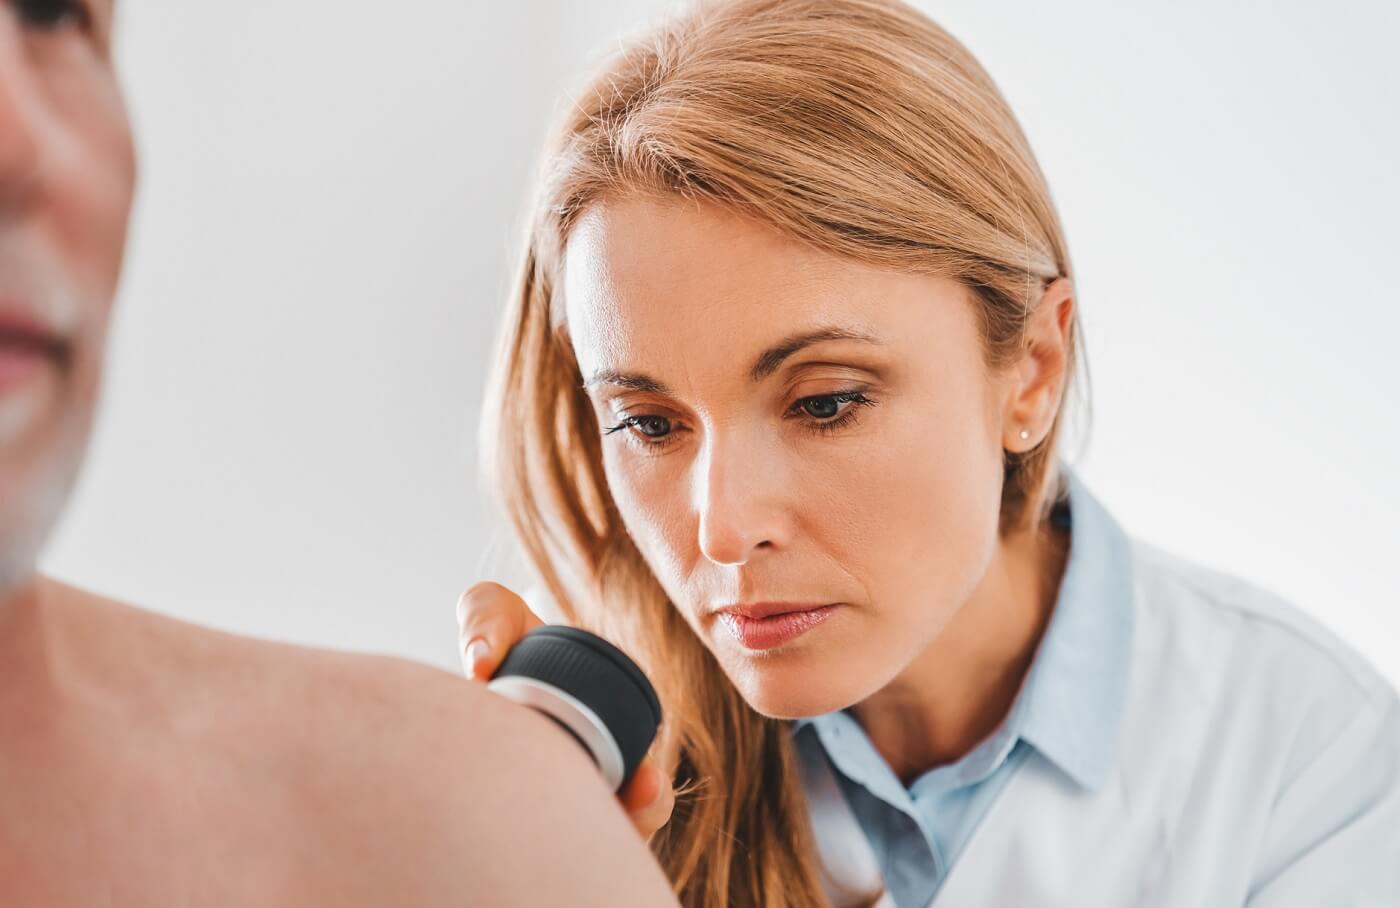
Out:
{"x": 330, "y": 209}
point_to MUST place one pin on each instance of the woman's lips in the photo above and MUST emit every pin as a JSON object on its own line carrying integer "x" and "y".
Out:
{"x": 774, "y": 630}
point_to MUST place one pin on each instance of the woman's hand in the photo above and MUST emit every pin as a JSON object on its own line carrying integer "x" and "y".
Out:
{"x": 490, "y": 619}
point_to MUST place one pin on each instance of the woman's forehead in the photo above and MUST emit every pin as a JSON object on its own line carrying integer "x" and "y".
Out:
{"x": 682, "y": 250}
{"x": 664, "y": 295}
{"x": 651, "y": 283}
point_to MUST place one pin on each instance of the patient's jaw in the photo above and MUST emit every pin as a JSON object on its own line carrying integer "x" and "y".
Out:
{"x": 67, "y": 173}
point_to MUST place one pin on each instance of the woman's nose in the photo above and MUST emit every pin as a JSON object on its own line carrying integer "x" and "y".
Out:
{"x": 738, "y": 495}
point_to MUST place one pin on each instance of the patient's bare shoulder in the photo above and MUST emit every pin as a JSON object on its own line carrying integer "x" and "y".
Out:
{"x": 481, "y": 796}
{"x": 308, "y": 699}
{"x": 392, "y": 777}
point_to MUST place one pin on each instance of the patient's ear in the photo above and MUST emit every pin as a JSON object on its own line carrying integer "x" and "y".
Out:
{"x": 1035, "y": 383}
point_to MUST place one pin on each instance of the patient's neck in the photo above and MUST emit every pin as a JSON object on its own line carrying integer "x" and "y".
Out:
{"x": 24, "y": 632}
{"x": 17, "y": 598}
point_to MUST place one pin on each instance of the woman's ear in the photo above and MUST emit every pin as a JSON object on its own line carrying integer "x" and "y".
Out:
{"x": 1036, "y": 381}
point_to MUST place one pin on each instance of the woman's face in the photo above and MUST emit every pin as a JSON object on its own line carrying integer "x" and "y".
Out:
{"x": 785, "y": 426}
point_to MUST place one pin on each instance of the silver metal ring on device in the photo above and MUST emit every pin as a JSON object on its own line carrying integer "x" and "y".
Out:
{"x": 573, "y": 713}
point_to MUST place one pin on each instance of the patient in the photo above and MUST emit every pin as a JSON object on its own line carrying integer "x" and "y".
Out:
{"x": 148, "y": 762}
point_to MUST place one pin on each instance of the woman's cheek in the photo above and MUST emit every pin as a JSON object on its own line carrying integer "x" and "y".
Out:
{"x": 651, "y": 519}
{"x": 912, "y": 527}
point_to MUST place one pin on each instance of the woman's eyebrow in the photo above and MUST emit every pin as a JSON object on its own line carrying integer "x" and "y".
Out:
{"x": 765, "y": 365}
{"x": 769, "y": 361}
{"x": 632, "y": 381}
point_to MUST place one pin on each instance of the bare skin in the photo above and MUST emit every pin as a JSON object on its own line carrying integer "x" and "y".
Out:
{"x": 741, "y": 484}
{"x": 147, "y": 761}
{"x": 144, "y": 761}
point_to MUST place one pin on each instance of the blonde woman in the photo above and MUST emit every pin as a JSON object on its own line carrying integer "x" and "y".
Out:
{"x": 778, "y": 408}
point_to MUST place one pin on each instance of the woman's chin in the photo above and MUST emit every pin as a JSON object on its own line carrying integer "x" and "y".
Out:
{"x": 785, "y": 692}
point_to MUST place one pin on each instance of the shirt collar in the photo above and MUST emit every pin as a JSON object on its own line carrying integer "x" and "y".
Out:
{"x": 1071, "y": 704}
{"x": 1077, "y": 687}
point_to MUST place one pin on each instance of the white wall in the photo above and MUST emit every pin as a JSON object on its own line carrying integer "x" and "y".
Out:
{"x": 328, "y": 217}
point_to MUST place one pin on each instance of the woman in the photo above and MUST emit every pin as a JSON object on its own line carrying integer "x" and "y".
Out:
{"x": 778, "y": 408}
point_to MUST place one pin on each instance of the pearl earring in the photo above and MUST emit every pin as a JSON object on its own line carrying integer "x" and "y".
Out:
{"x": 1025, "y": 434}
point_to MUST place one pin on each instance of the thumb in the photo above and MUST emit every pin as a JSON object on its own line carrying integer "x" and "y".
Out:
{"x": 490, "y": 620}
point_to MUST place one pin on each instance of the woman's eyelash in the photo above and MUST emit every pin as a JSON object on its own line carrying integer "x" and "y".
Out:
{"x": 813, "y": 423}
{"x": 635, "y": 422}
{"x": 843, "y": 418}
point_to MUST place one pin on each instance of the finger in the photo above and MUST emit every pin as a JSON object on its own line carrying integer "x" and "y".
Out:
{"x": 648, "y": 799}
{"x": 490, "y": 620}
{"x": 642, "y": 788}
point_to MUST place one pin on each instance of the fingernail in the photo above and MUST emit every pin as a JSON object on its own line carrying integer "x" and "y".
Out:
{"x": 476, "y": 651}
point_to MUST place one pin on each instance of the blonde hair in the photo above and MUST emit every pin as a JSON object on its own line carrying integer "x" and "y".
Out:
{"x": 860, "y": 127}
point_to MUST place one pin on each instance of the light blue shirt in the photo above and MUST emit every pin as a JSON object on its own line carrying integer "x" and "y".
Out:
{"x": 1069, "y": 710}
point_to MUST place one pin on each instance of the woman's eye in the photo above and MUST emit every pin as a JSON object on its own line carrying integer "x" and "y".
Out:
{"x": 824, "y": 414}
{"x": 650, "y": 426}
{"x": 832, "y": 408}
{"x": 820, "y": 407}
{"x": 653, "y": 426}
{"x": 51, "y": 15}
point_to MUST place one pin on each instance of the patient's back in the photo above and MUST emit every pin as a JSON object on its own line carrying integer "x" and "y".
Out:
{"x": 147, "y": 761}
